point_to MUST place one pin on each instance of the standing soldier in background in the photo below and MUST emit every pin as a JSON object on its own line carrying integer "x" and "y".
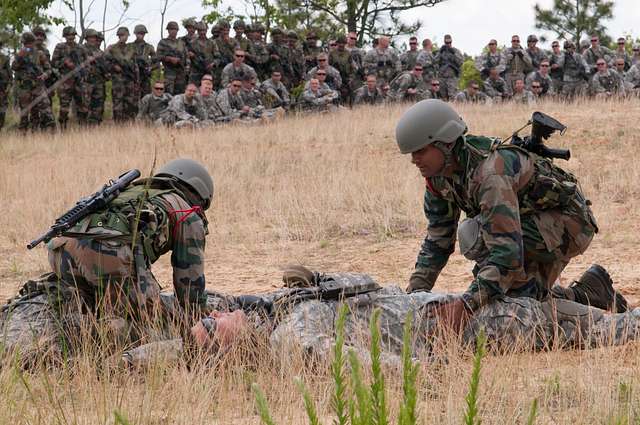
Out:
{"x": 187, "y": 39}
{"x": 311, "y": 49}
{"x": 69, "y": 59}
{"x": 449, "y": 61}
{"x": 296, "y": 59}
{"x": 342, "y": 60}
{"x": 258, "y": 54}
{"x": 279, "y": 56}
{"x": 595, "y": 52}
{"x": 517, "y": 62}
{"x": 226, "y": 48}
{"x": 536, "y": 54}
{"x": 489, "y": 60}
{"x": 239, "y": 28}
{"x": 173, "y": 55}
{"x": 121, "y": 58}
{"x": 357, "y": 57}
{"x": 41, "y": 44}
{"x": 97, "y": 74}
{"x": 145, "y": 60}
{"x": 621, "y": 53}
{"x": 31, "y": 69}
{"x": 555, "y": 71}
{"x": 408, "y": 59}
{"x": 6, "y": 79}
{"x": 636, "y": 54}
{"x": 428, "y": 61}
{"x": 575, "y": 72}
{"x": 383, "y": 61}
{"x": 203, "y": 55}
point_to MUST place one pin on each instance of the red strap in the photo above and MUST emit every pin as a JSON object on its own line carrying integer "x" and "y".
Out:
{"x": 432, "y": 189}
{"x": 187, "y": 213}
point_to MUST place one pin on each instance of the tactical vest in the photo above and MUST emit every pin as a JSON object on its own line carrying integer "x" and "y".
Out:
{"x": 135, "y": 208}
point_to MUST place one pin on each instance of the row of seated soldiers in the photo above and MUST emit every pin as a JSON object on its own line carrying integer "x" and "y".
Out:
{"x": 79, "y": 72}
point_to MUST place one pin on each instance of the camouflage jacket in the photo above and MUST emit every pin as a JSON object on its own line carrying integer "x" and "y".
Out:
{"x": 145, "y": 57}
{"x": 311, "y": 53}
{"x": 184, "y": 110}
{"x": 479, "y": 97}
{"x": 574, "y": 68}
{"x": 276, "y": 93}
{"x": 428, "y": 61}
{"x": 258, "y": 54}
{"x": 343, "y": 62}
{"x": 500, "y": 185}
{"x": 333, "y": 79}
{"x": 486, "y": 61}
{"x": 405, "y": 81}
{"x": 545, "y": 82}
{"x": 205, "y": 57}
{"x": 516, "y": 61}
{"x": 231, "y": 105}
{"x": 592, "y": 55}
{"x": 214, "y": 113}
{"x": 364, "y": 96}
{"x": 384, "y": 63}
{"x": 123, "y": 56}
{"x": 449, "y": 62}
{"x": 74, "y": 52}
{"x": 226, "y": 49}
{"x": 152, "y": 107}
{"x": 242, "y": 42}
{"x": 318, "y": 99}
{"x": 98, "y": 70}
{"x": 525, "y": 97}
{"x": 408, "y": 59}
{"x": 27, "y": 66}
{"x": 230, "y": 72}
{"x": 497, "y": 88}
{"x": 6, "y": 76}
{"x": 174, "y": 48}
{"x": 536, "y": 55}
{"x": 622, "y": 54}
{"x": 607, "y": 82}
{"x": 633, "y": 76}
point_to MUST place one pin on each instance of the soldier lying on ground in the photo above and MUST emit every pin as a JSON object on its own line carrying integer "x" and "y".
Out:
{"x": 303, "y": 317}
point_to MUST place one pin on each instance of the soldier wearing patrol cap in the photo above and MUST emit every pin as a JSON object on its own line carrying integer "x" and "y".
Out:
{"x": 146, "y": 60}
{"x": 69, "y": 59}
{"x": 125, "y": 77}
{"x": 172, "y": 53}
{"x": 533, "y": 216}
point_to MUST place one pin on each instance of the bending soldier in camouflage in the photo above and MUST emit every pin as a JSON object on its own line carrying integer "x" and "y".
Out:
{"x": 161, "y": 214}
{"x": 533, "y": 216}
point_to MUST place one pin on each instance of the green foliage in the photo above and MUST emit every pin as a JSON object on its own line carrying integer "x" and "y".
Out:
{"x": 309, "y": 405}
{"x": 471, "y": 412}
{"x": 533, "y": 412}
{"x": 16, "y": 16}
{"x": 469, "y": 73}
{"x": 378, "y": 400}
{"x": 361, "y": 411}
{"x": 338, "y": 400}
{"x": 409, "y": 377}
{"x": 120, "y": 418}
{"x": 571, "y": 19}
{"x": 263, "y": 406}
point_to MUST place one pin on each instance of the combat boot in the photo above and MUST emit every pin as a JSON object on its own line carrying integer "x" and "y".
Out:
{"x": 595, "y": 288}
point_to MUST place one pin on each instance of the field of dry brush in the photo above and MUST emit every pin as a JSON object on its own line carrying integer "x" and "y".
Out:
{"x": 333, "y": 193}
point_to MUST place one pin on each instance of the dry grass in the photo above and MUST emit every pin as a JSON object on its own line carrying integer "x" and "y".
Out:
{"x": 333, "y": 193}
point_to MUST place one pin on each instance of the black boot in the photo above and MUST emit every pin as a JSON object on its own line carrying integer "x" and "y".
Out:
{"x": 595, "y": 288}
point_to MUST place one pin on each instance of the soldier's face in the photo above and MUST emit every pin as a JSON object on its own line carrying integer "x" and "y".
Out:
{"x": 206, "y": 87}
{"x": 239, "y": 55}
{"x": 276, "y": 76}
{"x": 139, "y": 36}
{"x": 202, "y": 33}
{"x": 620, "y": 66}
{"x": 123, "y": 38}
{"x": 235, "y": 86}
{"x": 413, "y": 45}
{"x": 371, "y": 83}
{"x": 519, "y": 86}
{"x": 594, "y": 42}
{"x": 544, "y": 68}
{"x": 429, "y": 160}
{"x": 190, "y": 91}
{"x": 351, "y": 40}
{"x": 314, "y": 84}
{"x": 321, "y": 76}
{"x": 173, "y": 33}
{"x": 93, "y": 41}
{"x": 191, "y": 31}
{"x": 493, "y": 46}
{"x": 70, "y": 38}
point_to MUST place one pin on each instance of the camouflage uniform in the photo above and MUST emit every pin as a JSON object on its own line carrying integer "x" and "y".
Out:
{"x": 27, "y": 66}
{"x": 226, "y": 49}
{"x": 275, "y": 94}
{"x": 342, "y": 60}
{"x": 534, "y": 219}
{"x": 608, "y": 83}
{"x": 408, "y": 59}
{"x": 383, "y": 63}
{"x": 322, "y": 100}
{"x": 252, "y": 97}
{"x": 214, "y": 113}
{"x": 124, "y": 81}
{"x": 556, "y": 73}
{"x": 486, "y": 61}
{"x": 592, "y": 55}
{"x": 6, "y": 80}
{"x": 231, "y": 72}
{"x": 185, "y": 113}
{"x": 427, "y": 59}
{"x": 152, "y": 108}
{"x": 363, "y": 96}
{"x": 205, "y": 59}
{"x": 405, "y": 81}
{"x": 97, "y": 76}
{"x": 498, "y": 89}
{"x": 311, "y": 50}
{"x": 279, "y": 59}
{"x": 230, "y": 104}
{"x": 545, "y": 81}
{"x": 574, "y": 73}
{"x": 73, "y": 87}
{"x": 174, "y": 75}
{"x": 333, "y": 79}
{"x": 536, "y": 55}
{"x": 622, "y": 54}
{"x": 517, "y": 64}
{"x": 449, "y": 61}
{"x": 42, "y": 46}
{"x": 146, "y": 61}
{"x": 525, "y": 97}
{"x": 258, "y": 58}
{"x": 296, "y": 60}
{"x": 479, "y": 97}
{"x": 633, "y": 78}
{"x": 98, "y": 256}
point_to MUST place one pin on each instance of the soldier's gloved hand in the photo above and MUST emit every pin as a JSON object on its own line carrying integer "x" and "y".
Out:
{"x": 422, "y": 279}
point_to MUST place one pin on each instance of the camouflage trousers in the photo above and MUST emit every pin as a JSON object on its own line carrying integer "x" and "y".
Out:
{"x": 4, "y": 104}
{"x": 175, "y": 80}
{"x": 72, "y": 91}
{"x": 145, "y": 87}
{"x": 449, "y": 87}
{"x": 105, "y": 272}
{"x": 38, "y": 115}
{"x": 573, "y": 89}
{"x": 94, "y": 99}
{"x": 124, "y": 94}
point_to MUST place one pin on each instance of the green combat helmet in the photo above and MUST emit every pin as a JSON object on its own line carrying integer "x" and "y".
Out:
{"x": 68, "y": 31}
{"x": 427, "y": 122}
{"x": 189, "y": 23}
{"x": 91, "y": 33}
{"x": 201, "y": 26}
{"x": 239, "y": 24}
{"x": 38, "y": 30}
{"x": 193, "y": 175}
{"x": 140, "y": 29}
{"x": 223, "y": 25}
{"x": 27, "y": 38}
{"x": 122, "y": 31}
{"x": 172, "y": 25}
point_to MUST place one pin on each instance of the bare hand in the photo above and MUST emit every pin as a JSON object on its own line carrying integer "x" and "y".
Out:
{"x": 229, "y": 327}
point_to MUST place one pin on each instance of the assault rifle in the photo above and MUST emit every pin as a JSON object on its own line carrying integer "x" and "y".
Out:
{"x": 86, "y": 206}
{"x": 542, "y": 127}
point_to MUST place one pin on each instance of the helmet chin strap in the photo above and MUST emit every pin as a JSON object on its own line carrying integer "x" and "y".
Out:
{"x": 447, "y": 151}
